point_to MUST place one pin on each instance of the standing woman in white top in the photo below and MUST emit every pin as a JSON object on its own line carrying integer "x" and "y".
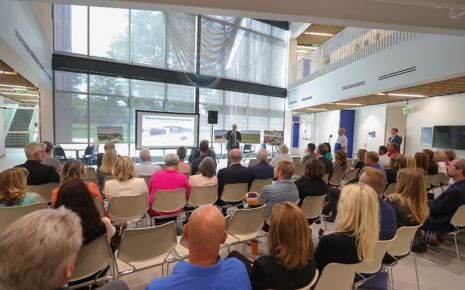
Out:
{"x": 125, "y": 183}
{"x": 283, "y": 151}
{"x": 207, "y": 174}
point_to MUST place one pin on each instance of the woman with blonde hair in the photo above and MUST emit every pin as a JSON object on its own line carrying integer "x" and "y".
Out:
{"x": 125, "y": 181}
{"x": 359, "y": 162}
{"x": 76, "y": 169}
{"x": 357, "y": 224}
{"x": 396, "y": 162}
{"x": 449, "y": 155}
{"x": 439, "y": 159}
{"x": 108, "y": 160}
{"x": 13, "y": 188}
{"x": 410, "y": 200}
{"x": 290, "y": 264}
{"x": 410, "y": 162}
{"x": 421, "y": 161}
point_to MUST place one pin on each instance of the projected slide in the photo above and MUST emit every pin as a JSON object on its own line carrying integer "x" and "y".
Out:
{"x": 166, "y": 130}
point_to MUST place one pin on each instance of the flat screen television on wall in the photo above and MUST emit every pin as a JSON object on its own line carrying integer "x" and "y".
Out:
{"x": 452, "y": 137}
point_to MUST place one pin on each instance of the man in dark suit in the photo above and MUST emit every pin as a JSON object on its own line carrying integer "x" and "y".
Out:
{"x": 236, "y": 173}
{"x": 203, "y": 152}
{"x": 261, "y": 170}
{"x": 233, "y": 137}
{"x": 38, "y": 172}
{"x": 443, "y": 208}
{"x": 320, "y": 155}
{"x": 394, "y": 137}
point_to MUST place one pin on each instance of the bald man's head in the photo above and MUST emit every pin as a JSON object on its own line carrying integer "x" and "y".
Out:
{"x": 235, "y": 155}
{"x": 206, "y": 229}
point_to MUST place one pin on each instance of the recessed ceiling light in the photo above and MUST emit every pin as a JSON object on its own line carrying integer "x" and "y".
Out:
{"x": 406, "y": 95}
{"x": 318, "y": 33}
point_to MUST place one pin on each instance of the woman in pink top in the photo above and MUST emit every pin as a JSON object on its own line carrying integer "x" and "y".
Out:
{"x": 207, "y": 175}
{"x": 168, "y": 179}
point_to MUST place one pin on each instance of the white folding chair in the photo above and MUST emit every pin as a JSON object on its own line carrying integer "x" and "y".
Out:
{"x": 143, "y": 248}
{"x": 312, "y": 206}
{"x": 336, "y": 276}
{"x": 90, "y": 172}
{"x": 44, "y": 190}
{"x": 299, "y": 169}
{"x": 390, "y": 189}
{"x": 128, "y": 209}
{"x": 350, "y": 174}
{"x": 234, "y": 194}
{"x": 201, "y": 195}
{"x": 10, "y": 214}
{"x": 93, "y": 258}
{"x": 169, "y": 201}
{"x": 336, "y": 178}
{"x": 258, "y": 184}
{"x": 245, "y": 225}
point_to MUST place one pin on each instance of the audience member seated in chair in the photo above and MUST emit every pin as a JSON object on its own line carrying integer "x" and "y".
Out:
{"x": 207, "y": 174}
{"x": 443, "y": 208}
{"x": 372, "y": 159}
{"x": 167, "y": 179}
{"x": 38, "y": 172}
{"x": 125, "y": 181}
{"x": 432, "y": 166}
{"x": 183, "y": 167}
{"x": 312, "y": 183}
{"x": 384, "y": 159}
{"x": 76, "y": 169}
{"x": 281, "y": 191}
{"x": 48, "y": 158}
{"x": 74, "y": 195}
{"x": 393, "y": 148}
{"x": 283, "y": 154}
{"x": 359, "y": 161}
{"x": 320, "y": 155}
{"x": 206, "y": 269}
{"x": 290, "y": 264}
{"x": 235, "y": 173}
{"x": 421, "y": 161}
{"x": 108, "y": 160}
{"x": 310, "y": 153}
{"x": 449, "y": 155}
{"x": 57, "y": 235}
{"x": 146, "y": 167}
{"x": 262, "y": 170}
{"x": 357, "y": 226}
{"x": 397, "y": 162}
{"x": 203, "y": 152}
{"x": 106, "y": 147}
{"x": 340, "y": 162}
{"x": 13, "y": 188}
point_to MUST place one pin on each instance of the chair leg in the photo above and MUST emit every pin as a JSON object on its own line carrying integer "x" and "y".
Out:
{"x": 458, "y": 253}
{"x": 416, "y": 271}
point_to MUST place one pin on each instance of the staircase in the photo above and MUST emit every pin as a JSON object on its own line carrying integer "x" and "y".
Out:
{"x": 18, "y": 134}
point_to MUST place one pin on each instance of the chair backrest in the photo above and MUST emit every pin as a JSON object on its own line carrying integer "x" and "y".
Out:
{"x": 90, "y": 150}
{"x": 445, "y": 178}
{"x": 312, "y": 206}
{"x": 107, "y": 178}
{"x": 93, "y": 180}
{"x": 9, "y": 214}
{"x": 92, "y": 258}
{"x": 403, "y": 242}
{"x": 125, "y": 208}
{"x": 246, "y": 223}
{"x": 247, "y": 147}
{"x": 252, "y": 162}
{"x": 336, "y": 276}
{"x": 169, "y": 200}
{"x": 374, "y": 265}
{"x": 336, "y": 178}
{"x": 390, "y": 189}
{"x": 142, "y": 244}
{"x": 435, "y": 180}
{"x": 147, "y": 179}
{"x": 326, "y": 177}
{"x": 59, "y": 152}
{"x": 90, "y": 172}
{"x": 99, "y": 205}
{"x": 201, "y": 195}
{"x": 296, "y": 160}
{"x": 258, "y": 184}
{"x": 299, "y": 168}
{"x": 349, "y": 163}
{"x": 458, "y": 219}
{"x": 44, "y": 190}
{"x": 234, "y": 192}
{"x": 350, "y": 174}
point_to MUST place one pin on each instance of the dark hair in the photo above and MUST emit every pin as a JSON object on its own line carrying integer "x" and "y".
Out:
{"x": 328, "y": 146}
{"x": 203, "y": 146}
{"x": 311, "y": 147}
{"x": 430, "y": 153}
{"x": 182, "y": 152}
{"x": 314, "y": 169}
{"x": 383, "y": 149}
{"x": 395, "y": 129}
{"x": 74, "y": 195}
{"x": 207, "y": 167}
{"x": 341, "y": 158}
{"x": 322, "y": 149}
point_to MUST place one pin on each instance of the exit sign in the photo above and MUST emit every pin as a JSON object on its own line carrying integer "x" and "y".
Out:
{"x": 407, "y": 111}
{"x": 20, "y": 91}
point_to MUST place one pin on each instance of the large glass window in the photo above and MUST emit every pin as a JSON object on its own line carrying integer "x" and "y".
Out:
{"x": 70, "y": 26}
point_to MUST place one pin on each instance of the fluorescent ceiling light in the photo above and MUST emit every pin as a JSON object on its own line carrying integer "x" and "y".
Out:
{"x": 347, "y": 104}
{"x": 311, "y": 109}
{"x": 307, "y": 47}
{"x": 318, "y": 33}
{"x": 21, "y": 95}
{"x": 406, "y": 95}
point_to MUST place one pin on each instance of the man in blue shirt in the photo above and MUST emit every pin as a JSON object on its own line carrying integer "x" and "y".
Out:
{"x": 262, "y": 170}
{"x": 205, "y": 232}
{"x": 372, "y": 160}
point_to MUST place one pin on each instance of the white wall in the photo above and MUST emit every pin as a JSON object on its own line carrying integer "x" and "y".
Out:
{"x": 2, "y": 130}
{"x": 369, "y": 119}
{"x": 325, "y": 124}
{"x": 447, "y": 110}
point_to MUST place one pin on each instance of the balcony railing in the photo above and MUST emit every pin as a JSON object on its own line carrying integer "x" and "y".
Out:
{"x": 348, "y": 46}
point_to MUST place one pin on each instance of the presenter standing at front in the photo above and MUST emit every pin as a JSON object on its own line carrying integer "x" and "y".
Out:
{"x": 342, "y": 142}
{"x": 233, "y": 137}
